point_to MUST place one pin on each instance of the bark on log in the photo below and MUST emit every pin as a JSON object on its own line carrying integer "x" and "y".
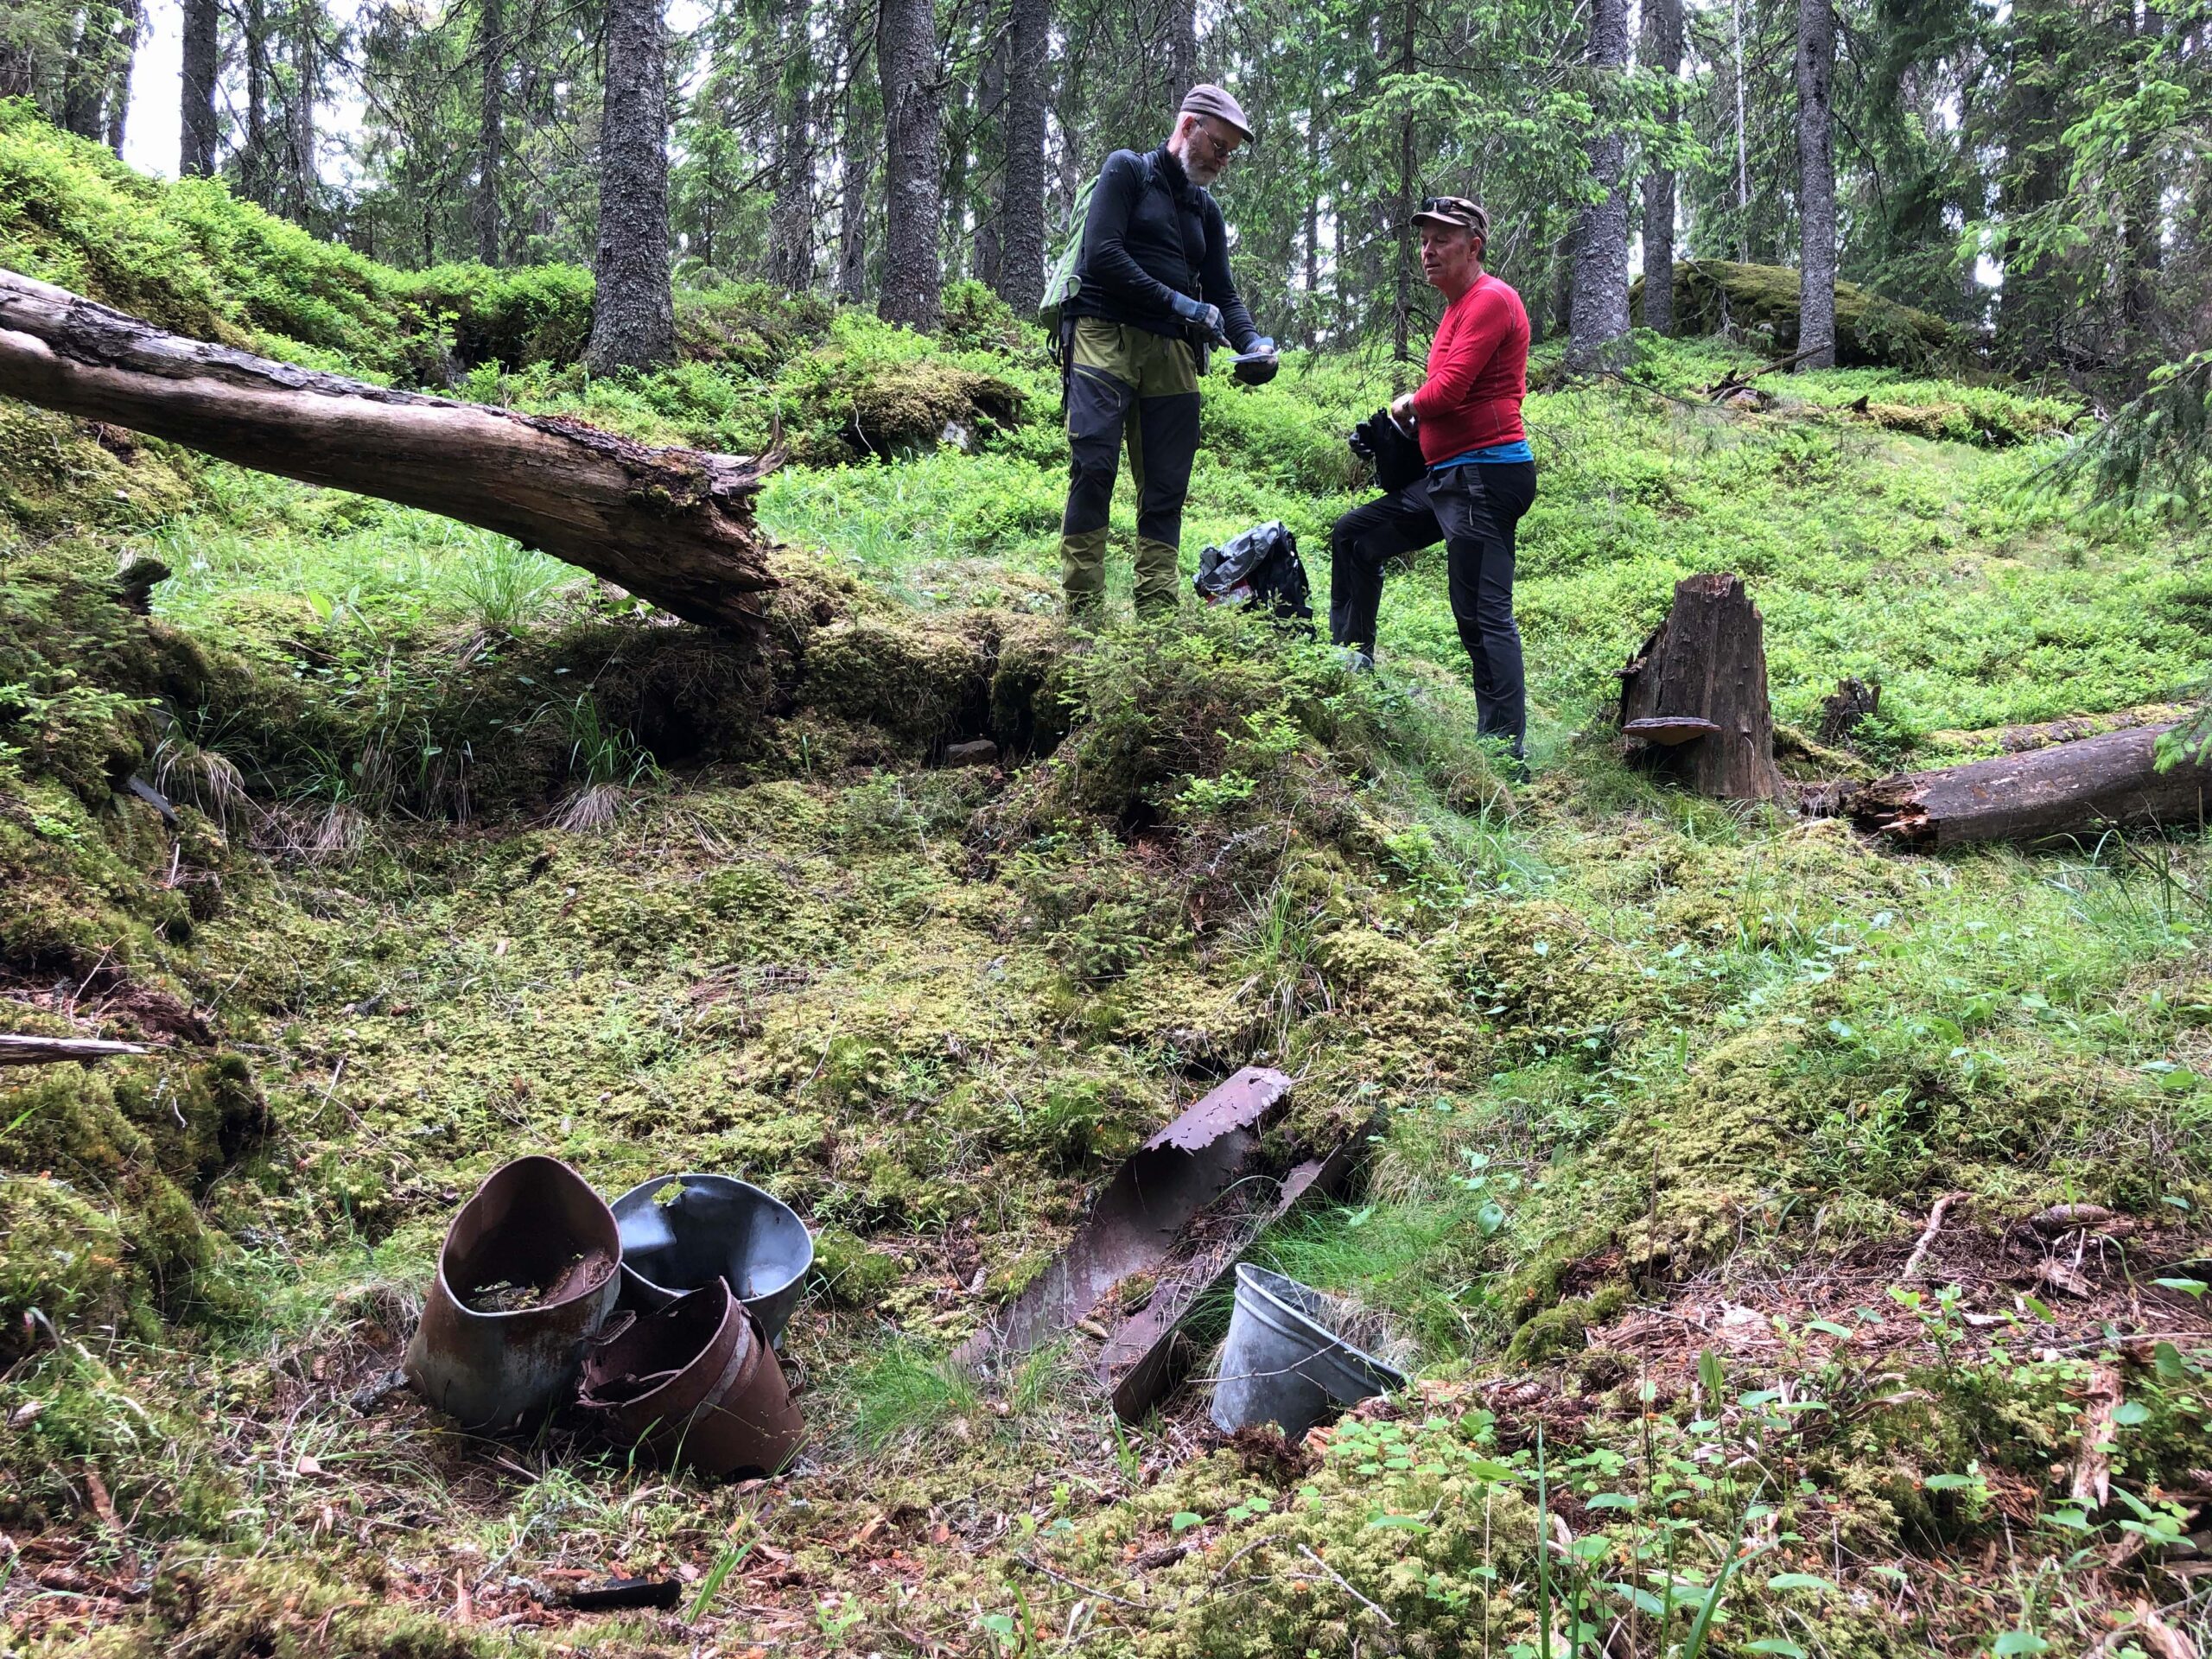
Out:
{"x": 1707, "y": 661}
{"x": 52, "y": 1051}
{"x": 2084, "y": 787}
{"x": 674, "y": 527}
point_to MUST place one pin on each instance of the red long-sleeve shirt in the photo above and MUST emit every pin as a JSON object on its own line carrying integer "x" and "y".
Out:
{"x": 1478, "y": 373}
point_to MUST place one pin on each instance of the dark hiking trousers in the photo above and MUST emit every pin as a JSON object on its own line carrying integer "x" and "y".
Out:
{"x": 1126, "y": 382}
{"x": 1472, "y": 509}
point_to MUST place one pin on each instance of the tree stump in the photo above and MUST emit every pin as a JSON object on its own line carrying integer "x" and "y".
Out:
{"x": 1707, "y": 661}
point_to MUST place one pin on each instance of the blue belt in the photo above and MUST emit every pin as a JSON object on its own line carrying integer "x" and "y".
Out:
{"x": 1496, "y": 454}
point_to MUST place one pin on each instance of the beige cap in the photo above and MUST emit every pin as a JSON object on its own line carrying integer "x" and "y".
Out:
{"x": 1206, "y": 98}
{"x": 1456, "y": 212}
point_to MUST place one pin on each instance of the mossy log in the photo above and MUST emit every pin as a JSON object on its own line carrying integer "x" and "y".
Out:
{"x": 2080, "y": 788}
{"x": 672, "y": 525}
{"x": 1714, "y": 295}
{"x": 1699, "y": 686}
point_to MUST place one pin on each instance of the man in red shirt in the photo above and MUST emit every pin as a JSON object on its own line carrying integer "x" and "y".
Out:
{"x": 1480, "y": 478}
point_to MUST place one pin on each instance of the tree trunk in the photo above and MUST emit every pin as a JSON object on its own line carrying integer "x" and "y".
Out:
{"x": 1816, "y": 183}
{"x": 1600, "y": 313}
{"x": 491, "y": 122}
{"x": 128, "y": 18}
{"x": 1182, "y": 50}
{"x": 988, "y": 263}
{"x": 1402, "y": 298}
{"x": 301, "y": 179}
{"x": 854, "y": 176}
{"x": 84, "y": 78}
{"x": 1311, "y": 240}
{"x": 1021, "y": 252}
{"x": 253, "y": 155}
{"x": 674, "y": 527}
{"x": 1664, "y": 48}
{"x": 202, "y": 55}
{"x": 1743, "y": 152}
{"x": 2081, "y": 788}
{"x": 958, "y": 125}
{"x": 905, "y": 52}
{"x": 790, "y": 216}
{"x": 634, "y": 315}
{"x": 1706, "y": 663}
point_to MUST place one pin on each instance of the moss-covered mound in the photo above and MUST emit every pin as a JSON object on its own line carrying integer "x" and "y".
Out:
{"x": 1714, "y": 296}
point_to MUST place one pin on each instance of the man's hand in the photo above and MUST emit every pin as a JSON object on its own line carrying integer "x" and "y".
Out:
{"x": 1207, "y": 317}
{"x": 1401, "y": 412}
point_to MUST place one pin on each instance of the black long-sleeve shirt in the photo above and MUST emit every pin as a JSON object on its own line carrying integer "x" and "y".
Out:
{"x": 1152, "y": 234}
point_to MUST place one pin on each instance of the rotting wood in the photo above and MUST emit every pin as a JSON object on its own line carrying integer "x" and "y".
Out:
{"x": 1853, "y": 701}
{"x": 2084, "y": 787}
{"x": 52, "y": 1050}
{"x": 672, "y": 525}
{"x": 2091, "y": 1486}
{"x": 1707, "y": 661}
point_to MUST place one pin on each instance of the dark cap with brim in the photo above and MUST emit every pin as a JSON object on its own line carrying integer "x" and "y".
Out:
{"x": 1208, "y": 100}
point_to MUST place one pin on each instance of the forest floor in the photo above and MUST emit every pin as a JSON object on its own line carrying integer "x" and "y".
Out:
{"x": 472, "y": 857}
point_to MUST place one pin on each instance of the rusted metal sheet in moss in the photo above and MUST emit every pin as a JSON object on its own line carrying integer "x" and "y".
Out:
{"x": 1170, "y": 1225}
{"x": 1137, "y": 1219}
{"x": 1139, "y": 1360}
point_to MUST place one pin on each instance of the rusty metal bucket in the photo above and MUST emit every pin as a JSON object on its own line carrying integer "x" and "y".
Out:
{"x": 696, "y": 1384}
{"x": 710, "y": 1226}
{"x": 526, "y": 1278}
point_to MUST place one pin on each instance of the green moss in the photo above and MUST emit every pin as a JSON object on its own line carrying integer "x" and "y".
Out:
{"x": 66, "y": 1259}
{"x": 920, "y": 683}
{"x": 850, "y": 1274}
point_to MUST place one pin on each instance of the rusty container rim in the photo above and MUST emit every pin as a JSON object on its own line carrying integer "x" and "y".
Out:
{"x": 515, "y": 1171}
{"x": 725, "y": 1408}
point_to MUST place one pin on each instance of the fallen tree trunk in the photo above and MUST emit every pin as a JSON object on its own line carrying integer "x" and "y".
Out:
{"x": 674, "y": 527}
{"x": 1695, "y": 694}
{"x": 2083, "y": 787}
{"x": 52, "y": 1050}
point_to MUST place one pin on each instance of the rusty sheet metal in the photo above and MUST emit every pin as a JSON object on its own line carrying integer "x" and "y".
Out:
{"x": 537, "y": 1231}
{"x": 696, "y": 1384}
{"x": 1138, "y": 1362}
{"x": 1133, "y": 1225}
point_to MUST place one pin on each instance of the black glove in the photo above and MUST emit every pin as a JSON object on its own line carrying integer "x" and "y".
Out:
{"x": 1199, "y": 314}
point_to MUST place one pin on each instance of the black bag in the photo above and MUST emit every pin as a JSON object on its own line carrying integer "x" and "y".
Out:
{"x": 1261, "y": 566}
{"x": 1397, "y": 457}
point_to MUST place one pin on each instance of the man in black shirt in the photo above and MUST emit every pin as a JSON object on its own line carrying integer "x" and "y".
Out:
{"x": 1155, "y": 290}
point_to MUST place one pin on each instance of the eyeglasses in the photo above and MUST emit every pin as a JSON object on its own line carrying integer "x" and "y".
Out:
{"x": 1223, "y": 151}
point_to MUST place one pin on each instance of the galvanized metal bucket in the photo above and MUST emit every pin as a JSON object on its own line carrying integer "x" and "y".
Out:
{"x": 1281, "y": 1365}
{"x": 696, "y": 1384}
{"x": 526, "y": 1278}
{"x": 710, "y": 1228}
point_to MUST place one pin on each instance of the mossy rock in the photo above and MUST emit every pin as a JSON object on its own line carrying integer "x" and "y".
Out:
{"x": 1714, "y": 296}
